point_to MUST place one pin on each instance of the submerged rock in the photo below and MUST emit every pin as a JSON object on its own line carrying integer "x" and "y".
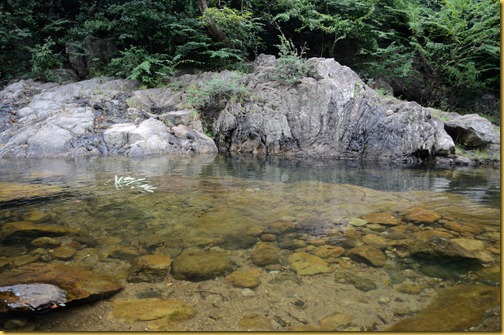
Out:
{"x": 359, "y": 282}
{"x": 420, "y": 215}
{"x": 265, "y": 253}
{"x": 308, "y": 265}
{"x": 19, "y": 191}
{"x": 337, "y": 322}
{"x": 243, "y": 278}
{"x": 453, "y": 309}
{"x": 149, "y": 268}
{"x": 31, "y": 297}
{"x": 201, "y": 265}
{"x": 78, "y": 283}
{"x": 22, "y": 231}
{"x": 255, "y": 322}
{"x": 439, "y": 248}
{"x": 383, "y": 218}
{"x": 153, "y": 309}
{"x": 369, "y": 255}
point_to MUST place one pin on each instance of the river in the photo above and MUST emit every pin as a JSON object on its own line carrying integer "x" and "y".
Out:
{"x": 234, "y": 204}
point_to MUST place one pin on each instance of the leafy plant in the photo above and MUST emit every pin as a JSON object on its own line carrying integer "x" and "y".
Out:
{"x": 290, "y": 66}
{"x": 137, "y": 64}
{"x": 220, "y": 88}
{"x": 479, "y": 154}
{"x": 121, "y": 182}
{"x": 241, "y": 34}
{"x": 44, "y": 60}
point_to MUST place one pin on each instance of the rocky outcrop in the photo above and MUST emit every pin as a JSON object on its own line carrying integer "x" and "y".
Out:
{"x": 330, "y": 113}
{"x": 89, "y": 118}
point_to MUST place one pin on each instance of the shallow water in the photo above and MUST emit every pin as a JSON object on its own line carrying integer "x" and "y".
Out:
{"x": 214, "y": 202}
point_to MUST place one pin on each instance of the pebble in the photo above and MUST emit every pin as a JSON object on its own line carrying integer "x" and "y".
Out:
{"x": 247, "y": 293}
{"x": 383, "y": 300}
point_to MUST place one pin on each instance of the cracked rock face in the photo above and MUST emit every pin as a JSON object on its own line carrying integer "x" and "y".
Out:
{"x": 330, "y": 113}
{"x": 91, "y": 118}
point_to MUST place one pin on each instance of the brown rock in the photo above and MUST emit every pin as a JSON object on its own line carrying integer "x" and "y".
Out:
{"x": 328, "y": 251}
{"x": 369, "y": 255}
{"x": 35, "y": 215}
{"x": 255, "y": 231}
{"x": 437, "y": 247}
{"x": 123, "y": 252}
{"x": 336, "y": 321}
{"x": 255, "y": 322}
{"x": 25, "y": 259}
{"x": 425, "y": 235}
{"x": 281, "y": 226}
{"x": 470, "y": 244}
{"x": 268, "y": 237}
{"x": 420, "y": 215}
{"x": 21, "y": 231}
{"x": 45, "y": 242}
{"x": 78, "y": 283}
{"x": 463, "y": 227}
{"x": 308, "y": 265}
{"x": 149, "y": 268}
{"x": 359, "y": 282}
{"x": 63, "y": 253}
{"x": 383, "y": 218}
{"x": 153, "y": 309}
{"x": 201, "y": 265}
{"x": 265, "y": 253}
{"x": 243, "y": 278}
{"x": 353, "y": 233}
{"x": 455, "y": 309}
{"x": 409, "y": 288}
{"x": 374, "y": 241}
{"x": 18, "y": 191}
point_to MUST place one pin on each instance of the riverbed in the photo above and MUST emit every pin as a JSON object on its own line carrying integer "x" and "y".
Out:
{"x": 362, "y": 223}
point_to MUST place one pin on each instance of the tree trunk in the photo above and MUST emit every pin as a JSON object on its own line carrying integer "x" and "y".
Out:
{"x": 216, "y": 33}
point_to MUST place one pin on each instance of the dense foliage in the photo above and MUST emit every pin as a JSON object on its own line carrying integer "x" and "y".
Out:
{"x": 441, "y": 53}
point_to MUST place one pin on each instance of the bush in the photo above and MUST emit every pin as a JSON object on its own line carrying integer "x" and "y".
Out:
{"x": 44, "y": 61}
{"x": 137, "y": 64}
{"x": 221, "y": 88}
{"x": 290, "y": 66}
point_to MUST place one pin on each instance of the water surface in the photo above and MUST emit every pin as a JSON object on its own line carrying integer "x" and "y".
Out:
{"x": 215, "y": 202}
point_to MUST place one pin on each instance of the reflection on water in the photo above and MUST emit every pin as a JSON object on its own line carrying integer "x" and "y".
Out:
{"x": 315, "y": 207}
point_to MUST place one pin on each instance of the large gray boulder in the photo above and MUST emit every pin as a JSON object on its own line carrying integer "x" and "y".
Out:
{"x": 330, "y": 113}
{"x": 470, "y": 130}
{"x": 153, "y": 137}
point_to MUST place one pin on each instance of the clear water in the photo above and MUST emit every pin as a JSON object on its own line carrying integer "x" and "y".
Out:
{"x": 213, "y": 201}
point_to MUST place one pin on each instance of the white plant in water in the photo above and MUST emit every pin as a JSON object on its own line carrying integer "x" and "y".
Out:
{"x": 122, "y": 181}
